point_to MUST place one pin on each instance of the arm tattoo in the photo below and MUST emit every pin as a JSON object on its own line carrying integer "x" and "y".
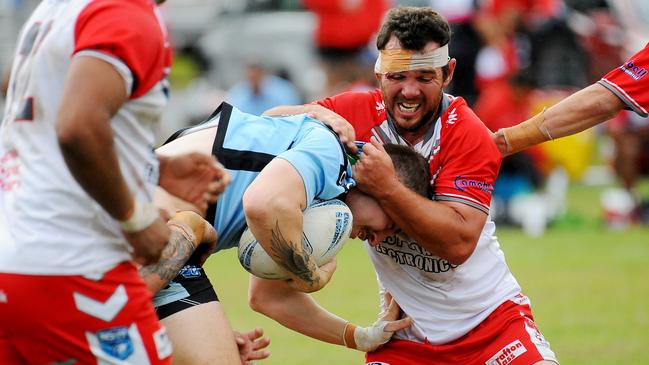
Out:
{"x": 174, "y": 257}
{"x": 292, "y": 261}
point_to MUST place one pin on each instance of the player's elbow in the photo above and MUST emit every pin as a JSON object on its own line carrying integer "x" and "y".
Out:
{"x": 261, "y": 301}
{"x": 461, "y": 252}
{"x": 67, "y": 136}
{"x": 263, "y": 208}
{"x": 257, "y": 209}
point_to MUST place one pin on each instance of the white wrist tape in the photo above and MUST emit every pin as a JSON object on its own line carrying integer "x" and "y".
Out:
{"x": 143, "y": 216}
{"x": 370, "y": 338}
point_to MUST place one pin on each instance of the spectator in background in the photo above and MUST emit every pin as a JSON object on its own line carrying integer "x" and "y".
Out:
{"x": 466, "y": 43}
{"x": 624, "y": 87}
{"x": 505, "y": 103}
{"x": 261, "y": 90}
{"x": 630, "y": 135}
{"x": 344, "y": 29}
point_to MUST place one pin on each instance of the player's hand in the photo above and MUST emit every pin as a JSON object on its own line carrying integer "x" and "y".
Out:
{"x": 194, "y": 177}
{"x": 201, "y": 233}
{"x": 251, "y": 345}
{"x": 370, "y": 338}
{"x": 501, "y": 142}
{"x": 321, "y": 277}
{"x": 340, "y": 125}
{"x": 149, "y": 242}
{"x": 374, "y": 172}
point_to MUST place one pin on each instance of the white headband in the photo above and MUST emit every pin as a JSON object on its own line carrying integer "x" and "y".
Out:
{"x": 399, "y": 60}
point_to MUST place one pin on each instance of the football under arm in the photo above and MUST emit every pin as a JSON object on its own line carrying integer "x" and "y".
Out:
{"x": 273, "y": 206}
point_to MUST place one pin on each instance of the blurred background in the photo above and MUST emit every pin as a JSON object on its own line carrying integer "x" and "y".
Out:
{"x": 573, "y": 214}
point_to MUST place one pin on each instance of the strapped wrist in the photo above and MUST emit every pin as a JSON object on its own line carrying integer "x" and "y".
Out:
{"x": 184, "y": 230}
{"x": 143, "y": 216}
{"x": 526, "y": 134}
{"x": 348, "y": 335}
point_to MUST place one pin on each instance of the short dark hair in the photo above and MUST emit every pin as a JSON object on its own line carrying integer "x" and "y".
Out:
{"x": 412, "y": 168}
{"x": 414, "y": 27}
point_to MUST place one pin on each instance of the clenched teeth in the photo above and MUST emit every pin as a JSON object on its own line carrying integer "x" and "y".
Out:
{"x": 406, "y": 107}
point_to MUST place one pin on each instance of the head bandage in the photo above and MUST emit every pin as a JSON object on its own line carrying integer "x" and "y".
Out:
{"x": 399, "y": 60}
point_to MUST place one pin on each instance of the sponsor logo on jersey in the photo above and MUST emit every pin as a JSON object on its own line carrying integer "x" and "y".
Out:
{"x": 190, "y": 271}
{"x": 380, "y": 106}
{"x": 116, "y": 342}
{"x": 377, "y": 363}
{"x": 452, "y": 117}
{"x": 507, "y": 354}
{"x": 9, "y": 171}
{"x": 636, "y": 72}
{"x": 418, "y": 258}
{"x": 461, "y": 183}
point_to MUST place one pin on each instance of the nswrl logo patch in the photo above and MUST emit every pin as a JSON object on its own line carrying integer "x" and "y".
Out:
{"x": 116, "y": 342}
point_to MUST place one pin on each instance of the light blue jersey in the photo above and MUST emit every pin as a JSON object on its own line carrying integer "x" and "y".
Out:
{"x": 246, "y": 143}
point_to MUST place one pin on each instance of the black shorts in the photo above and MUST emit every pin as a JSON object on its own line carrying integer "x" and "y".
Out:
{"x": 189, "y": 288}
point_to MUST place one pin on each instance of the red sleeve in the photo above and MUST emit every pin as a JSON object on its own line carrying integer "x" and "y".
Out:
{"x": 630, "y": 82}
{"x": 129, "y": 31}
{"x": 363, "y": 110}
{"x": 468, "y": 160}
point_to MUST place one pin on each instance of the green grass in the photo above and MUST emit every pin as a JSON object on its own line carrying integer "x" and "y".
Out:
{"x": 589, "y": 289}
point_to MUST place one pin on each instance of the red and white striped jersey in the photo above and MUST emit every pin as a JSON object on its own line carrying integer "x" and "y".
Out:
{"x": 445, "y": 301}
{"x": 49, "y": 225}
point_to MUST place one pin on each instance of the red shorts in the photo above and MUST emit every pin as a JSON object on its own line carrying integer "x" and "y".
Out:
{"x": 507, "y": 337}
{"x": 80, "y": 320}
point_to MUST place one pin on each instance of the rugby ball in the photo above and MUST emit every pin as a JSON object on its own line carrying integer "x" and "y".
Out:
{"x": 327, "y": 225}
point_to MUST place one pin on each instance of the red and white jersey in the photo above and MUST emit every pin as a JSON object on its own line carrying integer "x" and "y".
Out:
{"x": 48, "y": 224}
{"x": 628, "y": 82}
{"x": 445, "y": 301}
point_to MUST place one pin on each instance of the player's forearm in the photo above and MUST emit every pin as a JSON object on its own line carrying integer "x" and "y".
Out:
{"x": 93, "y": 92}
{"x": 175, "y": 255}
{"x": 582, "y": 110}
{"x": 578, "y": 112}
{"x": 295, "y": 310}
{"x": 435, "y": 226}
{"x": 90, "y": 156}
{"x": 289, "y": 110}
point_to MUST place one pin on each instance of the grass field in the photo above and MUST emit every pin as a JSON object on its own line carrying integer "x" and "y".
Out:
{"x": 589, "y": 289}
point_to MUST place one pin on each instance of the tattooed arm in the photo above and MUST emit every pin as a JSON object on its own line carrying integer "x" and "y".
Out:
{"x": 273, "y": 205}
{"x": 188, "y": 231}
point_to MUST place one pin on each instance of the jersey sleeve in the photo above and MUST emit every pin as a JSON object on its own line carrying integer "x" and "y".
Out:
{"x": 363, "y": 110}
{"x": 469, "y": 162}
{"x": 126, "y": 32}
{"x": 630, "y": 82}
{"x": 319, "y": 159}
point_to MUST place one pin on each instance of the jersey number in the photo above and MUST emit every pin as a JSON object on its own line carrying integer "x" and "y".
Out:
{"x": 24, "y": 112}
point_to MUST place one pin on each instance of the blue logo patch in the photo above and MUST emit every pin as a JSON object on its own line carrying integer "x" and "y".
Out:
{"x": 190, "y": 271}
{"x": 634, "y": 71}
{"x": 461, "y": 183}
{"x": 116, "y": 342}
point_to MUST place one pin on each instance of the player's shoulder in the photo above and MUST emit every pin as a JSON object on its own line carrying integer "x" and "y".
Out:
{"x": 458, "y": 115}
{"x": 460, "y": 123}
{"x": 140, "y": 14}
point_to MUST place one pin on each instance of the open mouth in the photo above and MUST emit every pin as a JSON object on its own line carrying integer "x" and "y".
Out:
{"x": 408, "y": 107}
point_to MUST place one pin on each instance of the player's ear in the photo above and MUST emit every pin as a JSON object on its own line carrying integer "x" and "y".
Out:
{"x": 451, "y": 69}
